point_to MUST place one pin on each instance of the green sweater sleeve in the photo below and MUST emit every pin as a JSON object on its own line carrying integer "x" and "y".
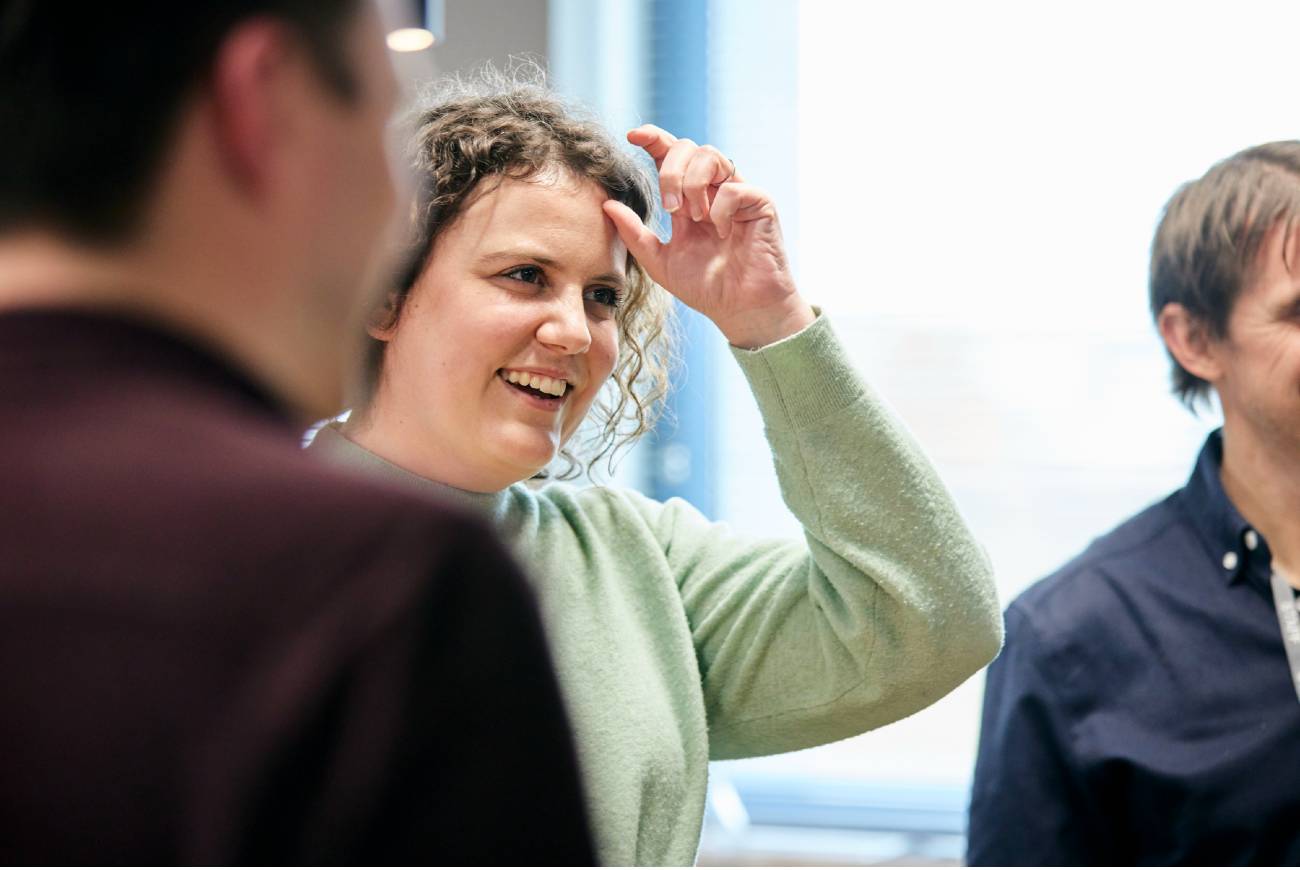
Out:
{"x": 885, "y": 607}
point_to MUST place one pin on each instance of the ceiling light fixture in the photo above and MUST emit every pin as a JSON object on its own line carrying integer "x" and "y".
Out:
{"x": 429, "y": 20}
{"x": 410, "y": 39}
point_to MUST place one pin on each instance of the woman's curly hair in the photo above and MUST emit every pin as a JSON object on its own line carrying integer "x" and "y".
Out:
{"x": 477, "y": 131}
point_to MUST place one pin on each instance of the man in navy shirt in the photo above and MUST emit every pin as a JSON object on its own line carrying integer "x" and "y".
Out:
{"x": 1144, "y": 710}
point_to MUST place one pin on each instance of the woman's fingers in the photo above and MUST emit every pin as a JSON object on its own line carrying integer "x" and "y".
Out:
{"x": 687, "y": 172}
{"x": 707, "y": 169}
{"x": 739, "y": 203}
{"x": 672, "y": 173}
{"x": 654, "y": 140}
{"x": 641, "y": 241}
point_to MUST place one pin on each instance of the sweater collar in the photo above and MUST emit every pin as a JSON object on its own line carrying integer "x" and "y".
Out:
{"x": 330, "y": 440}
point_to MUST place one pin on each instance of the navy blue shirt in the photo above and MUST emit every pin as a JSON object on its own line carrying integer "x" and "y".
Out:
{"x": 1142, "y": 711}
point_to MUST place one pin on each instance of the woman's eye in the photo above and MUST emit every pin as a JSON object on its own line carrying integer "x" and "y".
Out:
{"x": 527, "y": 274}
{"x": 609, "y": 297}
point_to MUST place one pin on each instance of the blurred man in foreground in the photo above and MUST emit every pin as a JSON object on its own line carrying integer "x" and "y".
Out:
{"x": 1146, "y": 708}
{"x": 211, "y": 650}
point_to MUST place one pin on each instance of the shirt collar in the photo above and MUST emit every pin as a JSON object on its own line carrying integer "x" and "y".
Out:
{"x": 1237, "y": 549}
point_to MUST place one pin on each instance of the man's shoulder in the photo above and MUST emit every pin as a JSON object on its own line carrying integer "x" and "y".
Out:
{"x": 1080, "y": 598}
{"x": 255, "y": 471}
{"x": 332, "y": 515}
{"x": 161, "y": 489}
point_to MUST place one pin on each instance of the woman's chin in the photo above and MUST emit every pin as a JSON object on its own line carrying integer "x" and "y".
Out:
{"x": 525, "y": 454}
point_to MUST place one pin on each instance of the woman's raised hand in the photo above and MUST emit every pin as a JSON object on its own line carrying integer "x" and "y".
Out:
{"x": 726, "y": 258}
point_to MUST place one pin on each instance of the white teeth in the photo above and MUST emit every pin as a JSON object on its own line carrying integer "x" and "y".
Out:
{"x": 550, "y": 386}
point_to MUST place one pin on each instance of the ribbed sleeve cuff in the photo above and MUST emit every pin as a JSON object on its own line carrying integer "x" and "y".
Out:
{"x": 806, "y": 376}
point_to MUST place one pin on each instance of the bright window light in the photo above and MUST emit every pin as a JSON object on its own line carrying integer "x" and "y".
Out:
{"x": 979, "y": 184}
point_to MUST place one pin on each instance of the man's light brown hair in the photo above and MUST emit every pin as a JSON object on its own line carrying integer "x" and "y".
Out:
{"x": 1208, "y": 241}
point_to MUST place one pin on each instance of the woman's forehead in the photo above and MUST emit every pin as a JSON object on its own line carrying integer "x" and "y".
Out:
{"x": 561, "y": 212}
{"x": 551, "y": 184}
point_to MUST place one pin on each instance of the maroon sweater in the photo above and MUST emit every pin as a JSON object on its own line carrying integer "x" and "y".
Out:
{"x": 214, "y": 650}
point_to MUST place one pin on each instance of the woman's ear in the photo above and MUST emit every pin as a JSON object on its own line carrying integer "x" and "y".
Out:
{"x": 382, "y": 322}
{"x": 1189, "y": 341}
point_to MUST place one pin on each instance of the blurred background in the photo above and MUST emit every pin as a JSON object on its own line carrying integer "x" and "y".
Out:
{"x": 969, "y": 191}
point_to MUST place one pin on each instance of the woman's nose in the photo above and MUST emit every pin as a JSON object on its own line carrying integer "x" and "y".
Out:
{"x": 565, "y": 326}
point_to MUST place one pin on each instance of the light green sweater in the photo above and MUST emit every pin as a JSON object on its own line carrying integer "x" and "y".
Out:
{"x": 678, "y": 640}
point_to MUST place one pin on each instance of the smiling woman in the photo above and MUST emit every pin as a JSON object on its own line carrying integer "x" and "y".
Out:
{"x": 501, "y": 157}
{"x": 505, "y": 340}
{"x": 534, "y": 286}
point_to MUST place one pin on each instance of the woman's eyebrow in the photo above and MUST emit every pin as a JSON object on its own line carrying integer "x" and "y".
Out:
{"x": 518, "y": 254}
{"x": 609, "y": 278}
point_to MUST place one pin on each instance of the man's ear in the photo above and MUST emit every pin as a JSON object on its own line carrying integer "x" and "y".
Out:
{"x": 1190, "y": 342}
{"x": 248, "y": 70}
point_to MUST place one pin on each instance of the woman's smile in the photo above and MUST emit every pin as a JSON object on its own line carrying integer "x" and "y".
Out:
{"x": 538, "y": 390}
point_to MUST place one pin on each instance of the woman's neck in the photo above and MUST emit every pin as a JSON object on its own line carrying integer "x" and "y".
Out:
{"x": 402, "y": 446}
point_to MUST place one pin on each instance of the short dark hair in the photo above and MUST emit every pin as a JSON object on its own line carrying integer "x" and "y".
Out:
{"x": 91, "y": 92}
{"x": 1208, "y": 240}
